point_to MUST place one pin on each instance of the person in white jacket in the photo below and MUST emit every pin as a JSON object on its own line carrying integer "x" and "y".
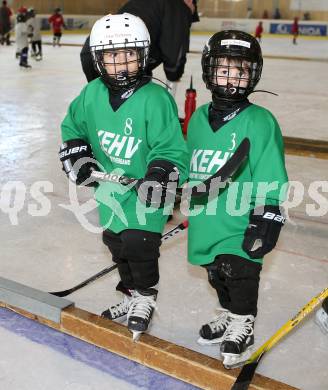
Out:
{"x": 21, "y": 38}
{"x": 34, "y": 32}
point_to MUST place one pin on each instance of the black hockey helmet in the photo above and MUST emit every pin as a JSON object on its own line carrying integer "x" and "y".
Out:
{"x": 227, "y": 50}
{"x": 21, "y": 18}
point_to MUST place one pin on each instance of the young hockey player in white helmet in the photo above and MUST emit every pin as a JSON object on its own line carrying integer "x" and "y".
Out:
{"x": 127, "y": 122}
{"x": 34, "y": 32}
{"x": 244, "y": 222}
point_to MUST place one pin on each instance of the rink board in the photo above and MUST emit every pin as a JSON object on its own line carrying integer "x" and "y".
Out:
{"x": 176, "y": 361}
{"x": 34, "y": 301}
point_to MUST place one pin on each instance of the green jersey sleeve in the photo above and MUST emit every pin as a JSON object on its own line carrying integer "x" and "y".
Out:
{"x": 164, "y": 134}
{"x": 74, "y": 124}
{"x": 267, "y": 160}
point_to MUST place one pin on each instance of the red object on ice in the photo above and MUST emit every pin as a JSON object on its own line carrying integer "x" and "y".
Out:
{"x": 190, "y": 105}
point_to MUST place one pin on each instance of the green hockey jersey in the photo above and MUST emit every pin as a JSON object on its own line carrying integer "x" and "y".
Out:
{"x": 217, "y": 226}
{"x": 143, "y": 129}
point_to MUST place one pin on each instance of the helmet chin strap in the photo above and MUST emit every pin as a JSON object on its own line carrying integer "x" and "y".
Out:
{"x": 230, "y": 89}
{"x": 226, "y": 103}
{"x": 123, "y": 75}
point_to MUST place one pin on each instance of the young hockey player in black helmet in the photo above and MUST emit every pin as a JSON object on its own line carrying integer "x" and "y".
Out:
{"x": 232, "y": 233}
{"x": 127, "y": 122}
{"x": 21, "y": 38}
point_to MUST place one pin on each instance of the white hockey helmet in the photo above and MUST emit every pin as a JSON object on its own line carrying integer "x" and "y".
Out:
{"x": 124, "y": 32}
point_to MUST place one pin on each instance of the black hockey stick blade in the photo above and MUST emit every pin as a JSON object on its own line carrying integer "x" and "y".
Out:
{"x": 224, "y": 173}
{"x": 245, "y": 376}
{"x": 105, "y": 271}
{"x": 171, "y": 233}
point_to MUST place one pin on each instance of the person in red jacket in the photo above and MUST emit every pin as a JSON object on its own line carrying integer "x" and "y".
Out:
{"x": 259, "y": 31}
{"x": 5, "y": 14}
{"x": 57, "y": 22}
{"x": 294, "y": 30}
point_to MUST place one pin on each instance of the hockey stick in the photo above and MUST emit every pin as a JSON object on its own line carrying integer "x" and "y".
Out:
{"x": 223, "y": 174}
{"x": 171, "y": 233}
{"x": 247, "y": 372}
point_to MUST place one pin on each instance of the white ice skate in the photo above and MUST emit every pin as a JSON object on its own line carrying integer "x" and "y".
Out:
{"x": 119, "y": 311}
{"x": 213, "y": 332}
{"x": 238, "y": 341}
{"x": 140, "y": 311}
{"x": 321, "y": 319}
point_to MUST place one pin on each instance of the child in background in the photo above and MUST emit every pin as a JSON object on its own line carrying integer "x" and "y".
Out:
{"x": 259, "y": 31}
{"x": 295, "y": 30}
{"x": 34, "y": 33}
{"x": 57, "y": 22}
{"x": 21, "y": 38}
{"x": 5, "y": 25}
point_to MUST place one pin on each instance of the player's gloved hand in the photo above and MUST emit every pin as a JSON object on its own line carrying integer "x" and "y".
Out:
{"x": 263, "y": 231}
{"x": 159, "y": 184}
{"x": 78, "y": 161}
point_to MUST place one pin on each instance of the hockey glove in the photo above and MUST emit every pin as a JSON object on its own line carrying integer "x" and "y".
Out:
{"x": 262, "y": 233}
{"x": 78, "y": 161}
{"x": 159, "y": 184}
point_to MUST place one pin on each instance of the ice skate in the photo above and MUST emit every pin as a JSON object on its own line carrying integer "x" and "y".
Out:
{"x": 119, "y": 311}
{"x": 321, "y": 317}
{"x": 140, "y": 311}
{"x": 213, "y": 332}
{"x": 25, "y": 65}
{"x": 238, "y": 340}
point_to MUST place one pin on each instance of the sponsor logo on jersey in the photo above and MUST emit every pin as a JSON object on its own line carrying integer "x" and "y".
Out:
{"x": 205, "y": 163}
{"x": 119, "y": 148}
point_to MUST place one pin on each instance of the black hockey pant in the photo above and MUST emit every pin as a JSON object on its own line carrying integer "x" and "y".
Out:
{"x": 236, "y": 281}
{"x": 37, "y": 47}
{"x": 23, "y": 56}
{"x": 136, "y": 253}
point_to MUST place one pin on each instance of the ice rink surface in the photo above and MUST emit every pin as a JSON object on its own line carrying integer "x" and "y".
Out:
{"x": 52, "y": 251}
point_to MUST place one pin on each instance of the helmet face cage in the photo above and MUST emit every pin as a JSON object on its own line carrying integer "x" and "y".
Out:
{"x": 121, "y": 65}
{"x": 232, "y": 71}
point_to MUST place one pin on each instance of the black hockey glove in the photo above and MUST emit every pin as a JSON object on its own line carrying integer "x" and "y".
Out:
{"x": 262, "y": 233}
{"x": 154, "y": 188}
{"x": 76, "y": 156}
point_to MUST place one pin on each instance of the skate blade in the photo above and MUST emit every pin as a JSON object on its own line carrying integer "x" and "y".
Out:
{"x": 231, "y": 361}
{"x": 202, "y": 341}
{"x": 136, "y": 335}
